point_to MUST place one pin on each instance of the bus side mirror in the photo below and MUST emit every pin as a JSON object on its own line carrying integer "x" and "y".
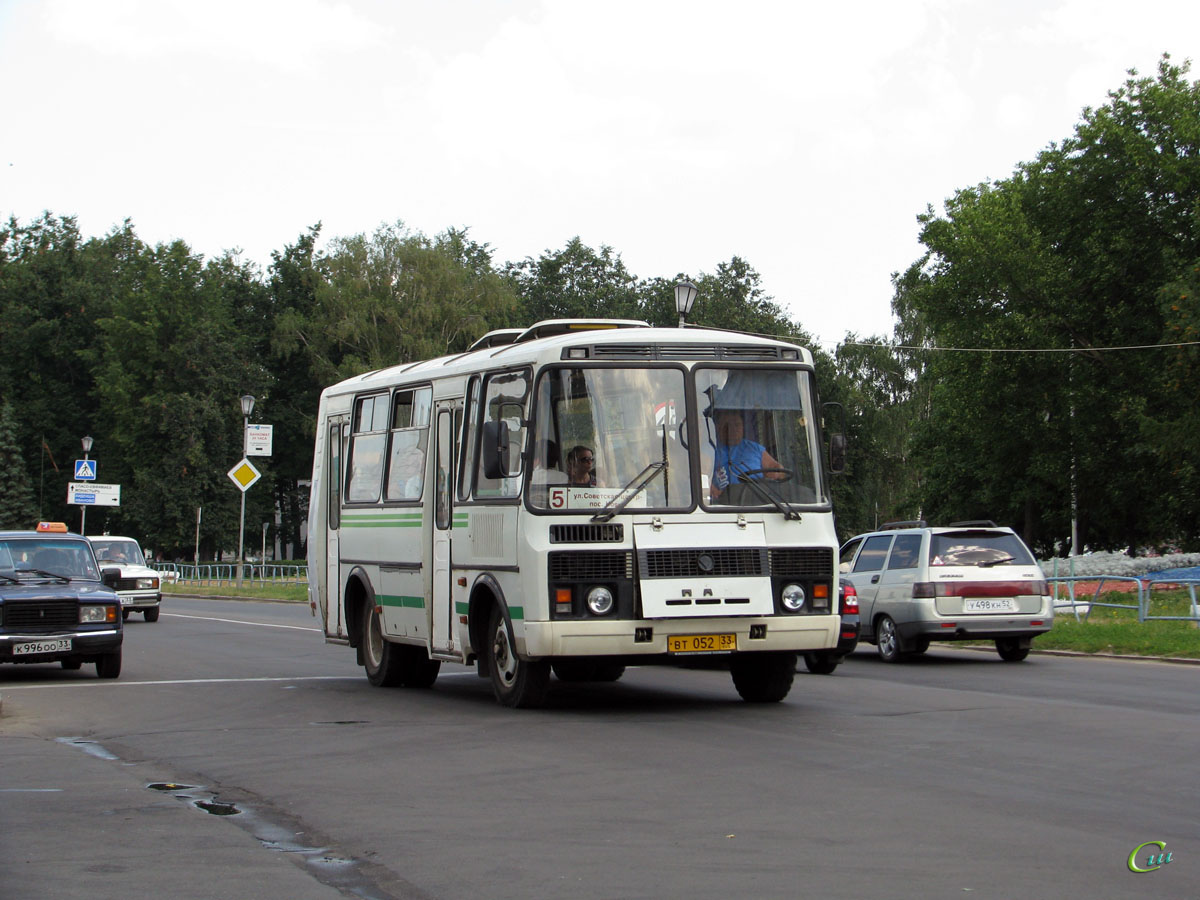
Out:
{"x": 495, "y": 449}
{"x": 835, "y": 413}
{"x": 837, "y": 453}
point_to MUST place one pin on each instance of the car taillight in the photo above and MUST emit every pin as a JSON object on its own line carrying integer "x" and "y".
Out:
{"x": 925, "y": 590}
{"x": 849, "y": 598}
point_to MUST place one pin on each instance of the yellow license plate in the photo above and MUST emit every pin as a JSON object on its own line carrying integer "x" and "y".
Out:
{"x": 701, "y": 643}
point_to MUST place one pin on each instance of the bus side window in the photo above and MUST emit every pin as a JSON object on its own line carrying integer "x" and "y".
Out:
{"x": 333, "y": 473}
{"x": 367, "y": 443}
{"x": 504, "y": 399}
{"x": 467, "y": 455}
{"x": 408, "y": 441}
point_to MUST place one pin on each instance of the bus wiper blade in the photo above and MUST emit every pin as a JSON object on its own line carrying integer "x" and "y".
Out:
{"x": 631, "y": 490}
{"x": 767, "y": 492}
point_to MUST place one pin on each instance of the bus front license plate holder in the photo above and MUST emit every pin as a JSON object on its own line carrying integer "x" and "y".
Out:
{"x": 701, "y": 643}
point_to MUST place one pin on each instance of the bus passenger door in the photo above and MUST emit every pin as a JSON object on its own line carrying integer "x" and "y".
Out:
{"x": 441, "y": 608}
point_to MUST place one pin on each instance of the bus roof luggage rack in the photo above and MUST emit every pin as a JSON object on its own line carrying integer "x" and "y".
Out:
{"x": 909, "y": 523}
{"x": 553, "y": 327}
{"x": 497, "y": 338}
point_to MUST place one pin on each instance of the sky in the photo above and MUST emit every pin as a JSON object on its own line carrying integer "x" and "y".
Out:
{"x": 805, "y": 138}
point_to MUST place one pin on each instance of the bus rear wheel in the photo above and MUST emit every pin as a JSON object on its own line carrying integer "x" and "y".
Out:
{"x": 381, "y": 658}
{"x": 763, "y": 677}
{"x": 516, "y": 682}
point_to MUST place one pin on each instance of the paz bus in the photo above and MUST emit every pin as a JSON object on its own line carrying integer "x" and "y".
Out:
{"x": 566, "y": 500}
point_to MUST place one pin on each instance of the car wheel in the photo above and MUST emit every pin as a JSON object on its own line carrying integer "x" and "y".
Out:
{"x": 109, "y": 665}
{"x": 887, "y": 640}
{"x": 763, "y": 677}
{"x": 124, "y": 615}
{"x": 1011, "y": 649}
{"x": 516, "y": 682}
{"x": 151, "y": 613}
{"x": 381, "y": 658}
{"x": 821, "y": 663}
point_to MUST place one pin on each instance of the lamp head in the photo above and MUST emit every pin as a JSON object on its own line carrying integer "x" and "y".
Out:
{"x": 685, "y": 296}
{"x": 247, "y": 405}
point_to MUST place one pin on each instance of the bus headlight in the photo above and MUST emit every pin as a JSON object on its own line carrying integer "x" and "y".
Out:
{"x": 600, "y": 601}
{"x": 792, "y": 597}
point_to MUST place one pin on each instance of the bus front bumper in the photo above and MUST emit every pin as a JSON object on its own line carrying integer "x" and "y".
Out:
{"x": 649, "y": 637}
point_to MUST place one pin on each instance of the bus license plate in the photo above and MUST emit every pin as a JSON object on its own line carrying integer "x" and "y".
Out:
{"x": 30, "y": 648}
{"x": 701, "y": 643}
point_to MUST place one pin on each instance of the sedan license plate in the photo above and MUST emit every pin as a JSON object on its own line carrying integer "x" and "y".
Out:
{"x": 32, "y": 648}
{"x": 701, "y": 643}
{"x": 990, "y": 605}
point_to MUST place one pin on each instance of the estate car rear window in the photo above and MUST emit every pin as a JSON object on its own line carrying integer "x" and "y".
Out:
{"x": 978, "y": 548}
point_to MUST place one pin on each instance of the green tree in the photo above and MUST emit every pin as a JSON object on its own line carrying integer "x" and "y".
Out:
{"x": 17, "y": 507}
{"x": 1070, "y": 253}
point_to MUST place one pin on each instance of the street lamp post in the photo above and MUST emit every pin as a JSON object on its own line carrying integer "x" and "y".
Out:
{"x": 86, "y": 443}
{"x": 685, "y": 296}
{"x": 247, "y": 408}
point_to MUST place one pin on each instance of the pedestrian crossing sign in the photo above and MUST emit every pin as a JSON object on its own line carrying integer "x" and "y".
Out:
{"x": 85, "y": 470}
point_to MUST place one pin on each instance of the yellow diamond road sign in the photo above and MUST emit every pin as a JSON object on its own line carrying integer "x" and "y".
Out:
{"x": 244, "y": 474}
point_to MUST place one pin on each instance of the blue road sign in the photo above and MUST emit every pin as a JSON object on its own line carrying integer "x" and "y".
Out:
{"x": 85, "y": 470}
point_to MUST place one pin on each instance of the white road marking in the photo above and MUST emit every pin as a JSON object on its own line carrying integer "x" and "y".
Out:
{"x": 95, "y": 684}
{"x": 242, "y": 622}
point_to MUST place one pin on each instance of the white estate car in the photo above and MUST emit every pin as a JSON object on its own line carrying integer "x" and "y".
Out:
{"x": 967, "y": 581}
{"x": 139, "y": 586}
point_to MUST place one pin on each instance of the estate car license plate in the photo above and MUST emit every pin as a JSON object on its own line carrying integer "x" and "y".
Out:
{"x": 701, "y": 643}
{"x": 29, "y": 648}
{"x": 990, "y": 605}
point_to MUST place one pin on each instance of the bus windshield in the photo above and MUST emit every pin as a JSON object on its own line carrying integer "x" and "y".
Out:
{"x": 759, "y": 442}
{"x": 599, "y": 432}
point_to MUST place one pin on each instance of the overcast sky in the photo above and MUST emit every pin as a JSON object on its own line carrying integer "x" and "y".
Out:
{"x": 802, "y": 137}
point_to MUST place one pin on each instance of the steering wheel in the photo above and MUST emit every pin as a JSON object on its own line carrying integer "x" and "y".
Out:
{"x": 787, "y": 474}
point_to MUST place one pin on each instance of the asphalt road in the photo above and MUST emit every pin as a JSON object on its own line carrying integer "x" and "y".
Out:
{"x": 239, "y": 756}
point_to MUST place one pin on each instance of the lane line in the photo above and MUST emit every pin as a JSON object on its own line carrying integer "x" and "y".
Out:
{"x": 248, "y": 680}
{"x": 117, "y": 683}
{"x": 242, "y": 622}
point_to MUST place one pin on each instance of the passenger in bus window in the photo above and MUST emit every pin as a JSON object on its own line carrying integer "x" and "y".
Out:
{"x": 739, "y": 459}
{"x": 581, "y": 467}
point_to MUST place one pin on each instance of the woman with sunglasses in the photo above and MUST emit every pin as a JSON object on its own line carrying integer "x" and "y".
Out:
{"x": 580, "y": 462}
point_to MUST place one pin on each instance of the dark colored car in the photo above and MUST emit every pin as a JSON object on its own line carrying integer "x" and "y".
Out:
{"x": 823, "y": 662}
{"x": 55, "y": 605}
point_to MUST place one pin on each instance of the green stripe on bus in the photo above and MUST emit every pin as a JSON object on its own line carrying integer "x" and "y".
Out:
{"x": 514, "y": 612}
{"x": 400, "y": 601}
{"x": 406, "y": 521}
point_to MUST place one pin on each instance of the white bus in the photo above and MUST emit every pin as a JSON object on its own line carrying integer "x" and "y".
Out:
{"x": 574, "y": 498}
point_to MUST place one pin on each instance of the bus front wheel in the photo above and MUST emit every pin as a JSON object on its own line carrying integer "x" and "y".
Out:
{"x": 763, "y": 676}
{"x": 516, "y": 682}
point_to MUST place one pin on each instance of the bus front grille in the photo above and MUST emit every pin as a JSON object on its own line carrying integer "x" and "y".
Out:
{"x": 718, "y": 562}
{"x": 802, "y": 562}
{"x": 571, "y": 565}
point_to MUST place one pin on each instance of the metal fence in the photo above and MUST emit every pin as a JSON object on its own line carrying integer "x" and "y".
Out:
{"x": 1080, "y": 603}
{"x": 226, "y": 573}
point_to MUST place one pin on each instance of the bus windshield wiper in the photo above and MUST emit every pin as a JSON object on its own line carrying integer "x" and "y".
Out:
{"x": 766, "y": 492}
{"x": 631, "y": 490}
